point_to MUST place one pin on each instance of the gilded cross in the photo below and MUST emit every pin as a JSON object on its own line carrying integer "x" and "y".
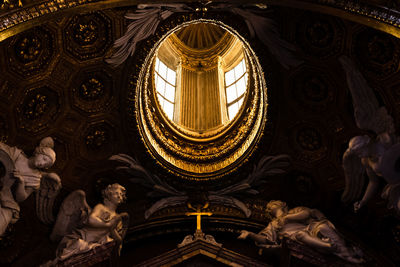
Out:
{"x": 198, "y": 214}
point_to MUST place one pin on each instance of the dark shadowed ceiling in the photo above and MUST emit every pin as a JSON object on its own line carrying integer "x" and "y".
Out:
{"x": 54, "y": 81}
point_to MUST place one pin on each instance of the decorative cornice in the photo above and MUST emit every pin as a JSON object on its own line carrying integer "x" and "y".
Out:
{"x": 382, "y": 18}
{"x": 202, "y": 159}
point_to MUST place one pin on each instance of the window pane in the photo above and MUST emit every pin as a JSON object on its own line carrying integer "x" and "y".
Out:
{"x": 229, "y": 77}
{"x": 243, "y": 66}
{"x": 230, "y": 93}
{"x": 171, "y": 76}
{"x": 160, "y": 85}
{"x": 162, "y": 70}
{"x": 232, "y": 110}
{"x": 164, "y": 79}
{"x": 170, "y": 92}
{"x": 169, "y": 109}
{"x": 239, "y": 70}
{"x": 241, "y": 86}
{"x": 157, "y": 63}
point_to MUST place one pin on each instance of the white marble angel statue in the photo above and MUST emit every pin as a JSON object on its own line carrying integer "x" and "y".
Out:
{"x": 305, "y": 226}
{"x": 81, "y": 228}
{"x": 25, "y": 175}
{"x": 376, "y": 157}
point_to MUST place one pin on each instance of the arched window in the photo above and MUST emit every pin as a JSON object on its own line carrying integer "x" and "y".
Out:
{"x": 235, "y": 88}
{"x": 165, "y": 80}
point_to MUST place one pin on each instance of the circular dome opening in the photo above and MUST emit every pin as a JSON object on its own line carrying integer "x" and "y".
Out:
{"x": 200, "y": 78}
{"x": 201, "y": 100}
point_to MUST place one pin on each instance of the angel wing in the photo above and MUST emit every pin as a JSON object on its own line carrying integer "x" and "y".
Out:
{"x": 170, "y": 196}
{"x": 73, "y": 213}
{"x": 144, "y": 23}
{"x": 145, "y": 178}
{"x": 229, "y": 201}
{"x": 267, "y": 166}
{"x": 165, "y": 202}
{"x": 367, "y": 113}
{"x": 50, "y": 186}
{"x": 354, "y": 175}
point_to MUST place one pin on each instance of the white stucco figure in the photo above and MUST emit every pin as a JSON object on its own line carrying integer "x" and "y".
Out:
{"x": 25, "y": 175}
{"x": 306, "y": 226}
{"x": 81, "y": 228}
{"x": 376, "y": 156}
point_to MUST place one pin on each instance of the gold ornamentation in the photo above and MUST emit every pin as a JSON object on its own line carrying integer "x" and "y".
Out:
{"x": 39, "y": 107}
{"x": 85, "y": 33}
{"x": 91, "y": 89}
{"x": 28, "y": 49}
{"x": 201, "y": 157}
{"x": 10, "y": 4}
{"x": 31, "y": 52}
{"x": 198, "y": 213}
{"x": 88, "y": 36}
{"x": 36, "y": 107}
{"x": 363, "y": 13}
{"x": 96, "y": 138}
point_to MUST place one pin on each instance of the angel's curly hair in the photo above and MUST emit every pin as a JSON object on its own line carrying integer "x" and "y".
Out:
{"x": 111, "y": 187}
{"x": 273, "y": 204}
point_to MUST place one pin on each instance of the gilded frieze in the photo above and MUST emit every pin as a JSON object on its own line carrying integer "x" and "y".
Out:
{"x": 191, "y": 156}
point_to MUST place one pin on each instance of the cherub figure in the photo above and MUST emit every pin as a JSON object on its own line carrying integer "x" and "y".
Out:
{"x": 375, "y": 156}
{"x": 305, "y": 226}
{"x": 81, "y": 228}
{"x": 28, "y": 176}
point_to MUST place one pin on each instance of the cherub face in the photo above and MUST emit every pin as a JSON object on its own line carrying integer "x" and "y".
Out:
{"x": 42, "y": 161}
{"x": 116, "y": 196}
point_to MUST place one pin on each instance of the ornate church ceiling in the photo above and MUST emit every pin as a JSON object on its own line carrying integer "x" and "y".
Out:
{"x": 54, "y": 81}
{"x": 200, "y": 36}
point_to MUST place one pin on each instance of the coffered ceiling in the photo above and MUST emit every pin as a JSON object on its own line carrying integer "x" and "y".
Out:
{"x": 54, "y": 81}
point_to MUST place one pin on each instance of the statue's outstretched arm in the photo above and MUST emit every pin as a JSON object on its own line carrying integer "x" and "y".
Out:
{"x": 298, "y": 216}
{"x": 258, "y": 238}
{"x": 261, "y": 239}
